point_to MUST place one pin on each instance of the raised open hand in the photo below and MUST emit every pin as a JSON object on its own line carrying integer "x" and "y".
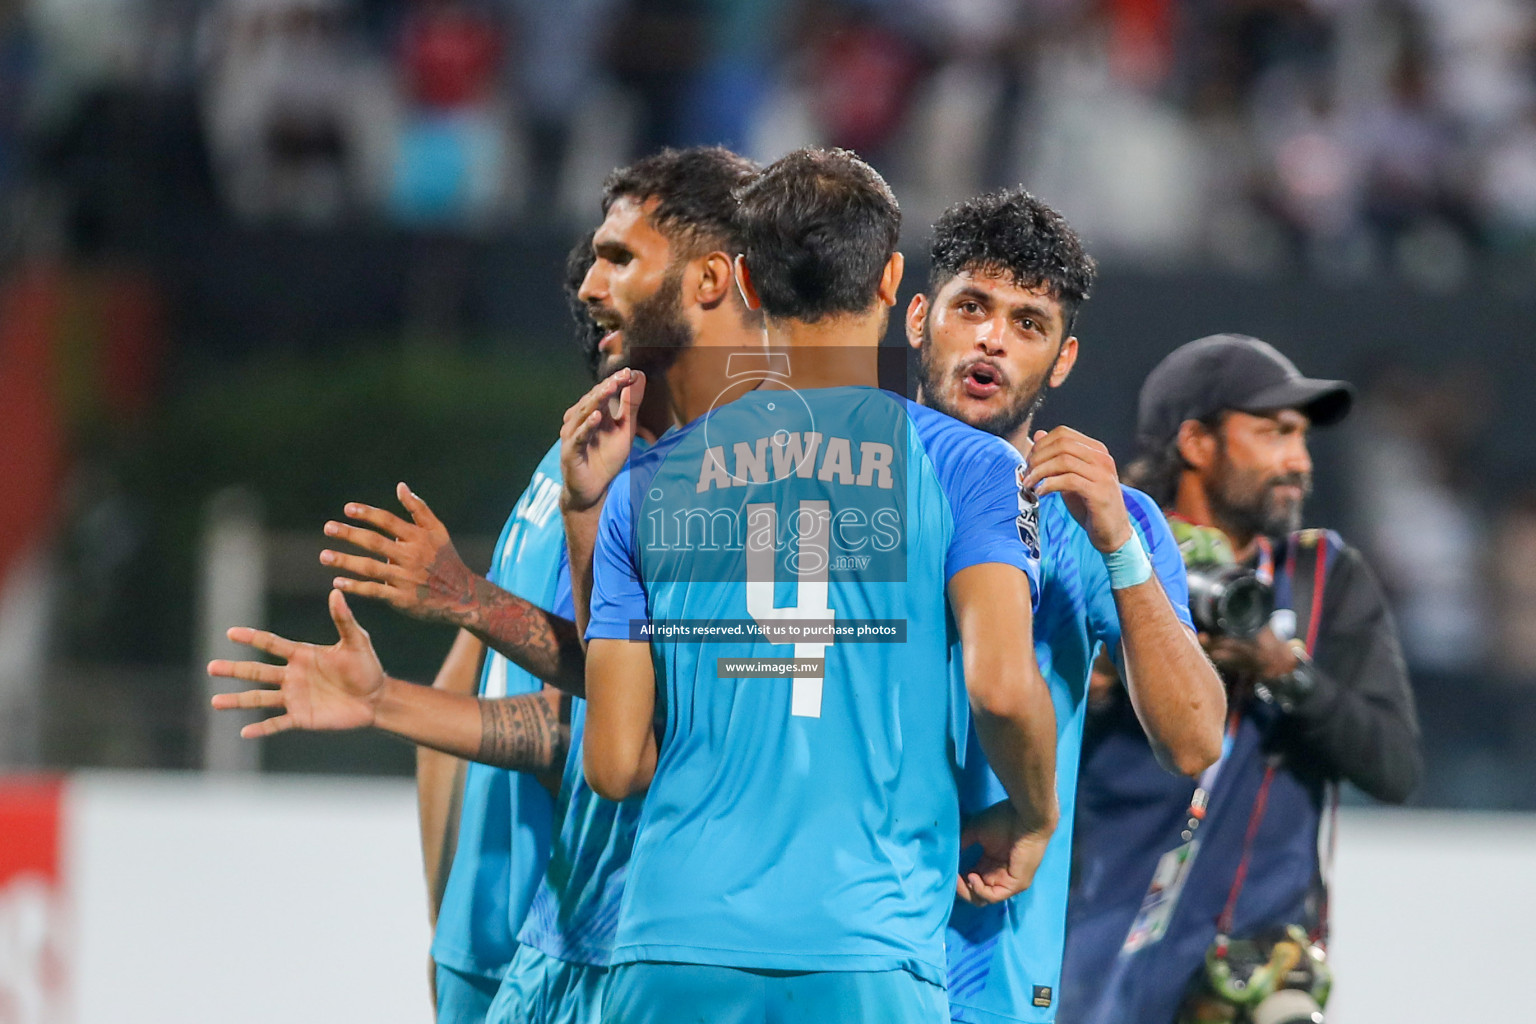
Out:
{"x": 596, "y": 436}
{"x": 319, "y": 688}
{"x": 416, "y": 569}
{"x": 1010, "y": 855}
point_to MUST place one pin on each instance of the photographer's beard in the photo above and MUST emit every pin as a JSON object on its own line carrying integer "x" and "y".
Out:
{"x": 942, "y": 386}
{"x": 1246, "y": 503}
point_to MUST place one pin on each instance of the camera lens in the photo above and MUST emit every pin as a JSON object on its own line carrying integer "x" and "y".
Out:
{"x": 1244, "y": 606}
{"x": 1288, "y": 1006}
{"x": 1229, "y": 600}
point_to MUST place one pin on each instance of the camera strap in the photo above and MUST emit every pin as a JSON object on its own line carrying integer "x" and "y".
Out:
{"x": 1305, "y": 564}
{"x": 1306, "y": 569}
{"x": 1173, "y": 867}
{"x": 1264, "y": 569}
{"x": 1172, "y": 870}
{"x": 1312, "y": 550}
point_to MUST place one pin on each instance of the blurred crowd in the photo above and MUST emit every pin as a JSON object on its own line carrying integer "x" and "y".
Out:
{"x": 1458, "y": 563}
{"x": 214, "y": 180}
{"x": 1353, "y": 137}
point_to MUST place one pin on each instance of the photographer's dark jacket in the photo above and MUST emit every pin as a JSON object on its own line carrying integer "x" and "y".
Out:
{"x": 1358, "y": 724}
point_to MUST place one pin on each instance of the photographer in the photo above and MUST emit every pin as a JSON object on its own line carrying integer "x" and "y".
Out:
{"x": 1194, "y": 902}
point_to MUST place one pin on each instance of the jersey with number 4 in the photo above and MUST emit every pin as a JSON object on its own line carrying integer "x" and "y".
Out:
{"x": 787, "y": 558}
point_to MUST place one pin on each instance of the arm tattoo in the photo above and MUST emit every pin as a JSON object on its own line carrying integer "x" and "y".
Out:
{"x": 449, "y": 583}
{"x": 543, "y": 644}
{"x": 522, "y": 733}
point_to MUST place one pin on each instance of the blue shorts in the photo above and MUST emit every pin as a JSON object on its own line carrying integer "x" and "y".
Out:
{"x": 541, "y": 989}
{"x": 661, "y": 993}
{"x": 463, "y": 998}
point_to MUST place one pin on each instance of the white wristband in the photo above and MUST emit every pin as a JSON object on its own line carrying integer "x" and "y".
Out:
{"x": 1128, "y": 566}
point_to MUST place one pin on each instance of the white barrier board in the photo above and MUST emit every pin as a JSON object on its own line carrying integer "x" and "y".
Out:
{"x": 207, "y": 900}
{"x": 265, "y": 900}
{"x": 1432, "y": 916}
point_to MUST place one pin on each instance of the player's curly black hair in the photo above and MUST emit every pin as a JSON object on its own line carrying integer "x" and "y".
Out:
{"x": 817, "y": 227}
{"x": 695, "y": 193}
{"x": 577, "y": 262}
{"x": 1012, "y": 231}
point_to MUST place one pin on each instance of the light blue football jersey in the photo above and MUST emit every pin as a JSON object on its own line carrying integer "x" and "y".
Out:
{"x": 506, "y": 818}
{"x": 805, "y": 821}
{"x": 576, "y": 908}
{"x": 1005, "y": 959}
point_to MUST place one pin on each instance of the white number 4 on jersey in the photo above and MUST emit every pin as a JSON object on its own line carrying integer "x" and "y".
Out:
{"x": 809, "y": 563}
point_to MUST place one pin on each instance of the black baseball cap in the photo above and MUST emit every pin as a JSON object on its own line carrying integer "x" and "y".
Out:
{"x": 1231, "y": 371}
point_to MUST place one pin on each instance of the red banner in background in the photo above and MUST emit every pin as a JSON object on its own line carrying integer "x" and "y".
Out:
{"x": 32, "y": 903}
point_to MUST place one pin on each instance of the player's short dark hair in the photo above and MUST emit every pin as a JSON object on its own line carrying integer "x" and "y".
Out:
{"x": 588, "y": 333}
{"x": 694, "y": 189}
{"x": 817, "y": 227}
{"x": 1012, "y": 232}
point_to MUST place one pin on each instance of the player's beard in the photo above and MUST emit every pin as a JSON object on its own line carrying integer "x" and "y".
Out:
{"x": 656, "y": 330}
{"x": 1247, "y": 503}
{"x": 1018, "y": 408}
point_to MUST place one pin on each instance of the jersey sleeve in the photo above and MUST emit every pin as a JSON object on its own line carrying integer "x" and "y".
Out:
{"x": 1167, "y": 565}
{"x": 617, "y": 596}
{"x": 996, "y": 517}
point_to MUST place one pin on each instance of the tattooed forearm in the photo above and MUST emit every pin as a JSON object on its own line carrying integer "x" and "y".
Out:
{"x": 523, "y": 733}
{"x": 449, "y": 585}
{"x": 543, "y": 644}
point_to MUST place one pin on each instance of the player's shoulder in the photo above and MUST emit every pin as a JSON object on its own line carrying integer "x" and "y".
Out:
{"x": 1146, "y": 514}
{"x": 948, "y": 440}
{"x": 646, "y": 459}
{"x": 1062, "y": 528}
{"x": 646, "y": 453}
{"x": 1139, "y": 501}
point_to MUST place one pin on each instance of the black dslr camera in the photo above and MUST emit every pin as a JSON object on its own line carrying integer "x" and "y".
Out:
{"x": 1225, "y": 599}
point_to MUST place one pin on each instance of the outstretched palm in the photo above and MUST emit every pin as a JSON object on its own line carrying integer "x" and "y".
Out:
{"x": 319, "y": 688}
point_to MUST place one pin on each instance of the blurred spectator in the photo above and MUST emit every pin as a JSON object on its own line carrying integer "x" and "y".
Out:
{"x": 450, "y": 54}
{"x": 1514, "y": 586}
{"x": 16, "y": 65}
{"x": 1347, "y": 138}
{"x": 1314, "y": 167}
{"x": 458, "y": 159}
{"x": 562, "y": 83}
{"x": 655, "y": 48}
{"x": 961, "y": 136}
{"x": 861, "y": 73}
{"x": 1405, "y": 150}
{"x": 1481, "y": 49}
{"x": 291, "y": 105}
{"x": 1423, "y": 529}
{"x": 1504, "y": 195}
{"x": 1121, "y": 162}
